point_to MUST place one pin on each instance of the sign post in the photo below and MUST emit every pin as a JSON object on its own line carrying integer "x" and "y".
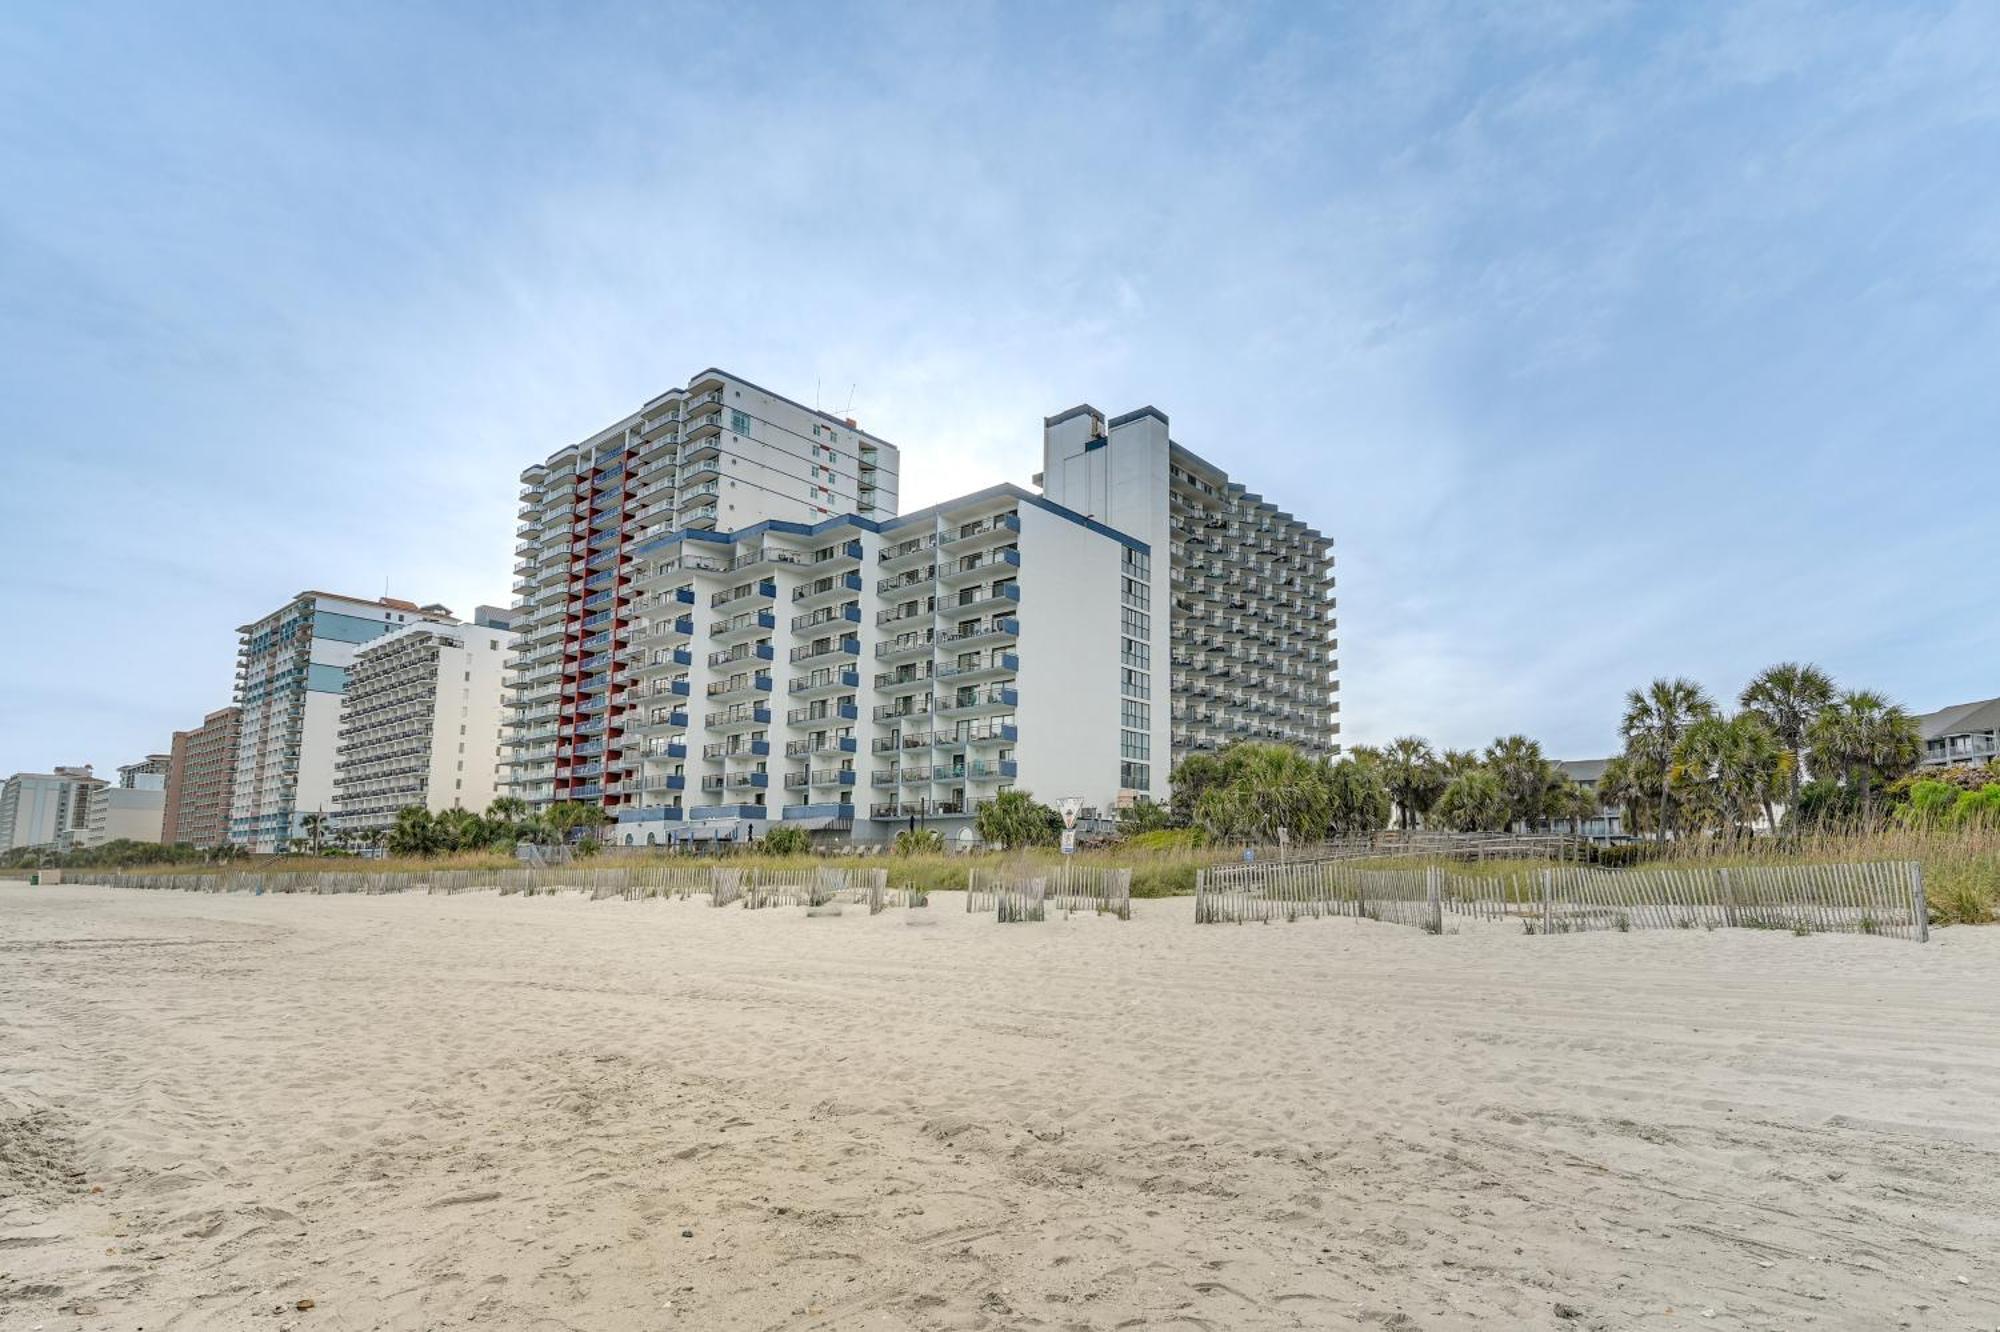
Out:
{"x": 1069, "y": 807}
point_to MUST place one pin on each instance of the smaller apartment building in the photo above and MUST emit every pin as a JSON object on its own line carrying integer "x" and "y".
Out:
{"x": 420, "y": 723}
{"x": 859, "y": 676}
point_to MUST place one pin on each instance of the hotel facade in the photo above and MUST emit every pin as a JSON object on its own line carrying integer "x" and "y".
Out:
{"x": 420, "y": 723}
{"x": 200, "y": 779}
{"x": 707, "y": 673}
{"x": 291, "y": 671}
{"x": 1247, "y": 589}
{"x": 858, "y": 677}
{"x": 720, "y": 453}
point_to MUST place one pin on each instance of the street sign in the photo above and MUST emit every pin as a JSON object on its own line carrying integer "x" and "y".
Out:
{"x": 1069, "y": 841}
{"x": 1070, "y": 807}
{"x": 1249, "y": 854}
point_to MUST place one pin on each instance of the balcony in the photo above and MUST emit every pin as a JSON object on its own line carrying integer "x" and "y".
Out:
{"x": 846, "y": 555}
{"x": 920, "y": 612}
{"x": 904, "y": 554}
{"x": 986, "y": 668}
{"x": 889, "y": 712}
{"x": 992, "y": 733}
{"x": 741, "y": 652}
{"x": 1001, "y": 528}
{"x": 822, "y": 712}
{"x": 919, "y": 577}
{"x": 826, "y": 590}
{"x": 992, "y": 770}
{"x": 907, "y": 645}
{"x": 843, "y": 744}
{"x": 738, "y": 687}
{"x": 904, "y": 679}
{"x": 739, "y": 627}
{"x": 729, "y": 812}
{"x": 741, "y": 717}
{"x": 821, "y": 683}
{"x": 978, "y": 600}
{"x": 839, "y": 617}
{"x": 762, "y": 590}
{"x": 1005, "y": 563}
{"x": 844, "y": 647}
{"x": 1001, "y": 629}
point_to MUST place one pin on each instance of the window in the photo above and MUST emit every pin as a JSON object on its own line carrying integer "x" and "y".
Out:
{"x": 1138, "y": 716}
{"x": 739, "y": 422}
{"x": 1136, "y": 653}
{"x": 1135, "y": 776}
{"x": 1135, "y": 684}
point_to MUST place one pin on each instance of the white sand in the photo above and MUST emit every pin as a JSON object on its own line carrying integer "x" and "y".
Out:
{"x": 431, "y": 1112}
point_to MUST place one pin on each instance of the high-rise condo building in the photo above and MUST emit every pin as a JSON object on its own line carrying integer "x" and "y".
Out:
{"x": 50, "y": 809}
{"x": 721, "y": 453}
{"x": 864, "y": 675}
{"x": 420, "y": 723}
{"x": 1248, "y": 588}
{"x": 291, "y": 670}
{"x": 200, "y": 778}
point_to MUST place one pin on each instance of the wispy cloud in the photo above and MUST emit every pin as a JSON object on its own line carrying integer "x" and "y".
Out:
{"x": 1607, "y": 340}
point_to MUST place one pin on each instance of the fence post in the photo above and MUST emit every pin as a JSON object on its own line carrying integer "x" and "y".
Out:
{"x": 1728, "y": 898}
{"x": 1434, "y": 893}
{"x": 1920, "y": 907}
{"x": 1548, "y": 901}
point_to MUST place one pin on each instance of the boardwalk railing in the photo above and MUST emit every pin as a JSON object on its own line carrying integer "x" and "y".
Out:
{"x": 1877, "y": 897}
{"x": 1065, "y": 887}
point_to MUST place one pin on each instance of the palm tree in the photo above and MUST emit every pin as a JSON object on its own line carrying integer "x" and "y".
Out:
{"x": 1865, "y": 738}
{"x": 1737, "y": 764}
{"x": 1014, "y": 819}
{"x": 1627, "y": 787}
{"x": 1655, "y": 720}
{"x": 1270, "y": 787}
{"x": 313, "y": 825}
{"x": 1789, "y": 697}
{"x": 1525, "y": 775}
{"x": 1572, "y": 800}
{"x": 507, "y": 809}
{"x": 1474, "y": 802}
{"x": 1409, "y": 769}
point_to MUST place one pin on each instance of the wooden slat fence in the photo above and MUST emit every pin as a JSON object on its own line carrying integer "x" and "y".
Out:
{"x": 1882, "y": 897}
{"x": 1066, "y": 887}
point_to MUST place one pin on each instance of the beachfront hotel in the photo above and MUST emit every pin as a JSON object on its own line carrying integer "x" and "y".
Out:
{"x": 1248, "y": 588}
{"x": 49, "y": 809}
{"x": 810, "y": 656}
{"x": 201, "y": 775}
{"x": 719, "y": 454}
{"x": 857, "y": 676}
{"x": 291, "y": 670}
{"x": 420, "y": 722}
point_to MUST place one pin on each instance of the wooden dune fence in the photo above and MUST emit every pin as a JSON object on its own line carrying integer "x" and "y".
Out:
{"x": 757, "y": 887}
{"x": 1878, "y": 897}
{"x": 1064, "y": 887}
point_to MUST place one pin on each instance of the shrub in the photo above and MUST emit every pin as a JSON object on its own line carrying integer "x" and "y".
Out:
{"x": 787, "y": 841}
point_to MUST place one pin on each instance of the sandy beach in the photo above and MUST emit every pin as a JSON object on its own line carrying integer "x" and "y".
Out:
{"x": 447, "y": 1112}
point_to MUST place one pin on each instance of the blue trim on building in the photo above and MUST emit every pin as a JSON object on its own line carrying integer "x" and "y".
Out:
{"x": 784, "y": 528}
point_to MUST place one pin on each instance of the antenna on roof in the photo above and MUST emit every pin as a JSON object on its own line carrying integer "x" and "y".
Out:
{"x": 850, "y": 400}
{"x": 815, "y": 392}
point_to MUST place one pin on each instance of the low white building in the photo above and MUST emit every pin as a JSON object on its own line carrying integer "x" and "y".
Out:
{"x": 125, "y": 814}
{"x": 420, "y": 723}
{"x": 860, "y": 677}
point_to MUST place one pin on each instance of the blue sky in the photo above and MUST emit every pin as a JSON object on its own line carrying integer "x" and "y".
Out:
{"x": 1607, "y": 340}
